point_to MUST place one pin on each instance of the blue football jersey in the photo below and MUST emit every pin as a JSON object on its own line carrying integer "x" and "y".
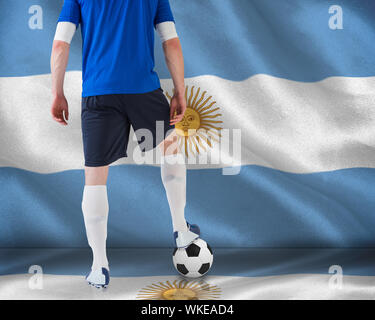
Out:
{"x": 117, "y": 43}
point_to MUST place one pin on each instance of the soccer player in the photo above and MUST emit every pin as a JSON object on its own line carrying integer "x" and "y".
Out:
{"x": 120, "y": 89}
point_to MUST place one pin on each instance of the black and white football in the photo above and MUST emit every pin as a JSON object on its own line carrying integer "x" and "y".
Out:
{"x": 193, "y": 261}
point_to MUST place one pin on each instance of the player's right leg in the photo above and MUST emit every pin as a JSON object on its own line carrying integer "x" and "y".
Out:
{"x": 145, "y": 111}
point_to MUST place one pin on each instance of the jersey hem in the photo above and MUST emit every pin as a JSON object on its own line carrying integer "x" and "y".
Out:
{"x": 97, "y": 92}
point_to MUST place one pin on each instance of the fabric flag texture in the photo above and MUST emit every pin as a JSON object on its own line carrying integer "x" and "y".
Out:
{"x": 288, "y": 75}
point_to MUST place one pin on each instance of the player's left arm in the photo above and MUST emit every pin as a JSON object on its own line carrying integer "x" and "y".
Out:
{"x": 59, "y": 61}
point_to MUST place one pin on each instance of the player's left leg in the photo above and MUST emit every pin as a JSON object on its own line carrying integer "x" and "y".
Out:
{"x": 95, "y": 212}
{"x": 105, "y": 133}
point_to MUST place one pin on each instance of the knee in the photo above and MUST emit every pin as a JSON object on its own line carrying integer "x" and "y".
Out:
{"x": 169, "y": 146}
{"x": 96, "y": 175}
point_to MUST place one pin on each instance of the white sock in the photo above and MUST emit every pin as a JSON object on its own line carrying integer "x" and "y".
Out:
{"x": 95, "y": 212}
{"x": 173, "y": 175}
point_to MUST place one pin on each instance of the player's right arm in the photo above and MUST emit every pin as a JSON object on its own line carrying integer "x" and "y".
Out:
{"x": 68, "y": 22}
{"x": 175, "y": 62}
{"x": 165, "y": 26}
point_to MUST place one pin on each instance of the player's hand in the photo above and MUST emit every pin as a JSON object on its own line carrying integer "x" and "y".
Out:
{"x": 178, "y": 107}
{"x": 59, "y": 109}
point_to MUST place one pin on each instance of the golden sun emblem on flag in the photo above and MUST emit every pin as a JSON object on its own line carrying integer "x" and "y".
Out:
{"x": 199, "y": 126}
{"x": 179, "y": 290}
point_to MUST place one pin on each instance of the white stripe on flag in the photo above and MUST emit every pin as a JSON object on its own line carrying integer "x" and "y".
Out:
{"x": 292, "y": 286}
{"x": 292, "y": 126}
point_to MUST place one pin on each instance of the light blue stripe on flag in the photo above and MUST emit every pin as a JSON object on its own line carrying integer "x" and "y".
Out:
{"x": 232, "y": 39}
{"x": 260, "y": 207}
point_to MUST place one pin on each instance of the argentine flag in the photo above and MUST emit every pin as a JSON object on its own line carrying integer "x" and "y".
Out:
{"x": 289, "y": 84}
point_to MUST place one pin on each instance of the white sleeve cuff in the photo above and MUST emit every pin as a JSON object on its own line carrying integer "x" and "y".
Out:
{"x": 166, "y": 30}
{"x": 65, "y": 31}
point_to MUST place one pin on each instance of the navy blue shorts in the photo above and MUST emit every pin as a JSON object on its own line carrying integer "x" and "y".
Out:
{"x": 106, "y": 121}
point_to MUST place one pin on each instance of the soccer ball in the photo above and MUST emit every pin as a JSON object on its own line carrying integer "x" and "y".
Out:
{"x": 193, "y": 261}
